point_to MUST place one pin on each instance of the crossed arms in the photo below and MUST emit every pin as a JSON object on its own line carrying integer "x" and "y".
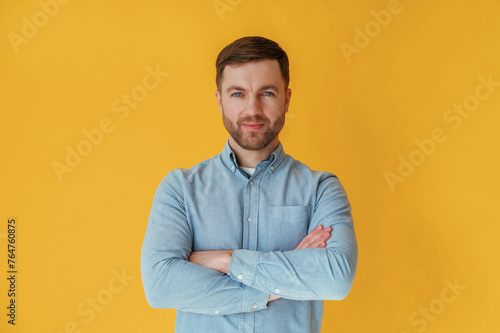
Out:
{"x": 321, "y": 267}
{"x": 219, "y": 260}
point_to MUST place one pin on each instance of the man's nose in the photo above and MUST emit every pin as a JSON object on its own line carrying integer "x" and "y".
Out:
{"x": 254, "y": 106}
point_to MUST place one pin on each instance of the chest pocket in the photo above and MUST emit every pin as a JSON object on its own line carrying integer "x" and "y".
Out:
{"x": 287, "y": 225}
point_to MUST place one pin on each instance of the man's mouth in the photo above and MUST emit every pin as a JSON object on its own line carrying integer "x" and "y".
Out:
{"x": 253, "y": 126}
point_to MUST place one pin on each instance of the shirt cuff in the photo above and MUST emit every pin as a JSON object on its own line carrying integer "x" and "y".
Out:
{"x": 254, "y": 300}
{"x": 243, "y": 266}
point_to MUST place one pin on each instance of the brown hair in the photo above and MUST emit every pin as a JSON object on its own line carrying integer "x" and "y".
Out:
{"x": 252, "y": 48}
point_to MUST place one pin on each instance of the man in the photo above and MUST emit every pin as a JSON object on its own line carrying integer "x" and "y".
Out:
{"x": 250, "y": 240}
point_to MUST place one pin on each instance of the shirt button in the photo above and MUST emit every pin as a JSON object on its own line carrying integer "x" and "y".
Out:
{"x": 271, "y": 167}
{"x": 254, "y": 306}
{"x": 240, "y": 277}
{"x": 249, "y": 219}
{"x": 277, "y": 291}
{"x": 251, "y": 183}
{"x": 217, "y": 311}
{"x": 232, "y": 168}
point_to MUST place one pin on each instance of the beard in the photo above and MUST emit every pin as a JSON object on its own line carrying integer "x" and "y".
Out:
{"x": 254, "y": 140}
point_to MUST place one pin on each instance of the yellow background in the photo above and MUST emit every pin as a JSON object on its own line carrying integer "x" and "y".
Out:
{"x": 355, "y": 116}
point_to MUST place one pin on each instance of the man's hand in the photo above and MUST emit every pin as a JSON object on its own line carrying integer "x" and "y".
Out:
{"x": 216, "y": 260}
{"x": 315, "y": 239}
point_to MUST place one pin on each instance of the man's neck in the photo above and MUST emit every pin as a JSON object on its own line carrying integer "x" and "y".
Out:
{"x": 250, "y": 158}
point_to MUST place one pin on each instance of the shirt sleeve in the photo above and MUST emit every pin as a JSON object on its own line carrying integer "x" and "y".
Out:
{"x": 170, "y": 280}
{"x": 307, "y": 274}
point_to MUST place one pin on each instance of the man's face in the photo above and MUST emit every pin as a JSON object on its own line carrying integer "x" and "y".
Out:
{"x": 253, "y": 103}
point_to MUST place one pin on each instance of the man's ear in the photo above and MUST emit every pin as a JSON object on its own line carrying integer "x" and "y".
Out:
{"x": 219, "y": 100}
{"x": 288, "y": 95}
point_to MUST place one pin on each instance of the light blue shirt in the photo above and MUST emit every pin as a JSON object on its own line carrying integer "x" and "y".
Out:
{"x": 217, "y": 206}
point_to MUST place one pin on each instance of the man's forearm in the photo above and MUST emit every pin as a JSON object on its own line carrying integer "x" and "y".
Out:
{"x": 217, "y": 260}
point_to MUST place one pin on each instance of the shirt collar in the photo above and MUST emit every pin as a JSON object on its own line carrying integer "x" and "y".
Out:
{"x": 274, "y": 160}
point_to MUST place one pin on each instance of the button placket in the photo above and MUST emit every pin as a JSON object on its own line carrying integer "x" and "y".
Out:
{"x": 252, "y": 208}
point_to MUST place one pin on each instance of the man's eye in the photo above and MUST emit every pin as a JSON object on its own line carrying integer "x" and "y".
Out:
{"x": 268, "y": 93}
{"x": 237, "y": 94}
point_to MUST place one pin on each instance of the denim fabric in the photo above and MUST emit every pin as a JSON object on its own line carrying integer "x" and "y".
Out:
{"x": 217, "y": 206}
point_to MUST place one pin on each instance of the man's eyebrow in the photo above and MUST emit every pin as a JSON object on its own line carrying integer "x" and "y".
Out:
{"x": 268, "y": 87}
{"x": 235, "y": 88}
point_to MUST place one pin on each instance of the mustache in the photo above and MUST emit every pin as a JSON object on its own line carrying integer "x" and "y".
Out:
{"x": 255, "y": 119}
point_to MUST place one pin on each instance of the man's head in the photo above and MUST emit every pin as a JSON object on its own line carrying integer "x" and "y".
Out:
{"x": 252, "y": 48}
{"x": 253, "y": 96}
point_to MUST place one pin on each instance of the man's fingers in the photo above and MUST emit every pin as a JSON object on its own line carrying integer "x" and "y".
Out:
{"x": 310, "y": 239}
{"x": 316, "y": 238}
